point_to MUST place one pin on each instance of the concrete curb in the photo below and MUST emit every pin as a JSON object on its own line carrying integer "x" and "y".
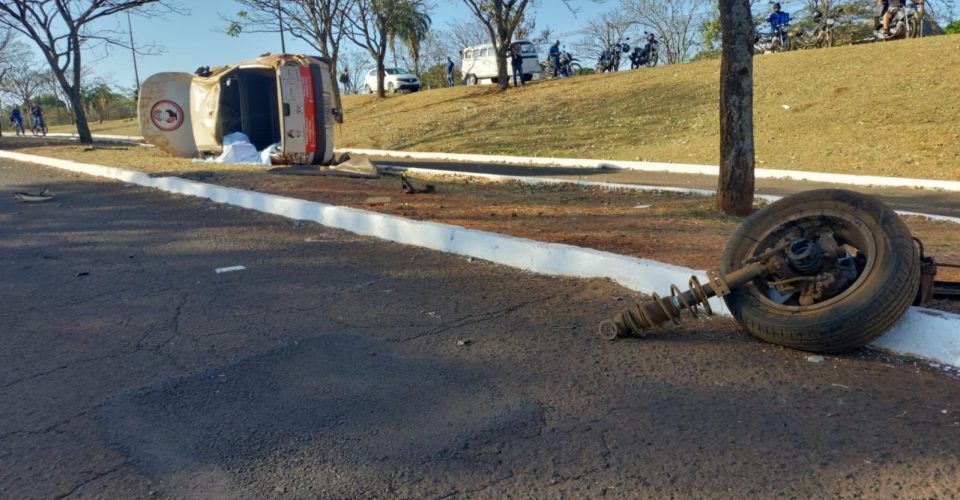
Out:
{"x": 922, "y": 333}
{"x": 677, "y": 168}
{"x": 619, "y": 186}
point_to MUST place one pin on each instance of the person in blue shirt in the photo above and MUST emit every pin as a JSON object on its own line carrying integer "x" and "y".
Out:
{"x": 777, "y": 18}
{"x": 450, "y": 67}
{"x": 516, "y": 61}
{"x": 555, "y": 57}
{"x": 17, "y": 121}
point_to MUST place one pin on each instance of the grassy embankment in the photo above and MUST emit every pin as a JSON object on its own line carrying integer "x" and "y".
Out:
{"x": 883, "y": 109}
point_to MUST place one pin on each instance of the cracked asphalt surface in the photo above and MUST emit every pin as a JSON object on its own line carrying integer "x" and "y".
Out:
{"x": 342, "y": 366}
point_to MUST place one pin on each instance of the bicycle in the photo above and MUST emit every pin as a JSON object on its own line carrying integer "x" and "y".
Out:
{"x": 39, "y": 126}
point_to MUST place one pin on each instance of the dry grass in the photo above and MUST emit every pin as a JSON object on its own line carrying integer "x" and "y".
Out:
{"x": 883, "y": 109}
{"x": 128, "y": 126}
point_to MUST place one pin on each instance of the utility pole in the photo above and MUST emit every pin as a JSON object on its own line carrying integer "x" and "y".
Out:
{"x": 133, "y": 50}
{"x": 283, "y": 43}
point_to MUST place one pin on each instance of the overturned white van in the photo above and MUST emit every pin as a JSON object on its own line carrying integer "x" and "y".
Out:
{"x": 275, "y": 99}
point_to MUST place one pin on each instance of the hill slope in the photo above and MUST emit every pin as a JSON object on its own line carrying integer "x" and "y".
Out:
{"x": 884, "y": 109}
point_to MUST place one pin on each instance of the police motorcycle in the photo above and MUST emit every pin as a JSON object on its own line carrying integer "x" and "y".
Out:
{"x": 646, "y": 55}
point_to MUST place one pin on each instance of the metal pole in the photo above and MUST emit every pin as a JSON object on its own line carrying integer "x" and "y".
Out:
{"x": 133, "y": 50}
{"x": 283, "y": 43}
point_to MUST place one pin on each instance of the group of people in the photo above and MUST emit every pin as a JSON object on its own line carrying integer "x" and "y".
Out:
{"x": 36, "y": 118}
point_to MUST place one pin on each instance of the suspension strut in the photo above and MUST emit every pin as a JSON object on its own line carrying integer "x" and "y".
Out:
{"x": 643, "y": 316}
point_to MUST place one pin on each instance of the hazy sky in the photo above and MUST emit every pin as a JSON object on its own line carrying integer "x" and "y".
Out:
{"x": 192, "y": 41}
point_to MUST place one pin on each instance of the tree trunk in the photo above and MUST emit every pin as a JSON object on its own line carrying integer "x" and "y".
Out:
{"x": 381, "y": 71}
{"x": 335, "y": 79}
{"x": 503, "y": 79}
{"x": 736, "y": 182}
{"x": 83, "y": 128}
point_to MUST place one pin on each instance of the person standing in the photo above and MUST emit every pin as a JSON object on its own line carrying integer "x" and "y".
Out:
{"x": 555, "y": 57}
{"x": 450, "y": 66}
{"x": 345, "y": 81}
{"x": 516, "y": 61}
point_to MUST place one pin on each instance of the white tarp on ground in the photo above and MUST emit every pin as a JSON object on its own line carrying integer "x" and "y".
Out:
{"x": 237, "y": 148}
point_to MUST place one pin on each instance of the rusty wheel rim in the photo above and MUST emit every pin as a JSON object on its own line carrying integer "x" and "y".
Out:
{"x": 851, "y": 232}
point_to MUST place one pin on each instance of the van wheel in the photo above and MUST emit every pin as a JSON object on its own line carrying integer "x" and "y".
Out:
{"x": 887, "y": 264}
{"x": 390, "y": 87}
{"x": 367, "y": 89}
{"x": 471, "y": 79}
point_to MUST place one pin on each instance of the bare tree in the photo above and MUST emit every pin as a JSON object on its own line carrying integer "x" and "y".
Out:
{"x": 500, "y": 18}
{"x": 467, "y": 33}
{"x": 372, "y": 24}
{"x": 62, "y": 29}
{"x": 321, "y": 24}
{"x": 356, "y": 64}
{"x": 736, "y": 182}
{"x": 603, "y": 31}
{"x": 674, "y": 22}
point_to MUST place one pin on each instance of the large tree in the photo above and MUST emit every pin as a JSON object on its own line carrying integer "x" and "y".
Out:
{"x": 321, "y": 24}
{"x": 500, "y": 18}
{"x": 62, "y": 29}
{"x": 736, "y": 181}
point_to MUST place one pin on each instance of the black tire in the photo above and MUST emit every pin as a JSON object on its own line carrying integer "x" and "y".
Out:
{"x": 471, "y": 79}
{"x": 575, "y": 69}
{"x": 886, "y": 285}
{"x": 652, "y": 60}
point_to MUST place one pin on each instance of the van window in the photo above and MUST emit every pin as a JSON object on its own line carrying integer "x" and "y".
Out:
{"x": 468, "y": 54}
{"x": 527, "y": 48}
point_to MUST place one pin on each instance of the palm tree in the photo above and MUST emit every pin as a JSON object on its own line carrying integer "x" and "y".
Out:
{"x": 412, "y": 23}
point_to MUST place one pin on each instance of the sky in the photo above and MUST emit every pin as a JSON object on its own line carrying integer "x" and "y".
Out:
{"x": 192, "y": 41}
{"x": 195, "y": 40}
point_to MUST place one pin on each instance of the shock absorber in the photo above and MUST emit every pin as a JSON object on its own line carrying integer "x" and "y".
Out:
{"x": 646, "y": 315}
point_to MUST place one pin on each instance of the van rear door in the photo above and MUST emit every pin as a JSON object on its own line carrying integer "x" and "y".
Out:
{"x": 163, "y": 111}
{"x": 306, "y": 117}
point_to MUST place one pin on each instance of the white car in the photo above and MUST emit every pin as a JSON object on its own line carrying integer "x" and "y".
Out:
{"x": 395, "y": 79}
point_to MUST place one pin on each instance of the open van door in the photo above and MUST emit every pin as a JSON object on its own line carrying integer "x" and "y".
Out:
{"x": 305, "y": 115}
{"x": 163, "y": 111}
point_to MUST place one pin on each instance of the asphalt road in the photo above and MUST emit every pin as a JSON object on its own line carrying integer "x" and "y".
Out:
{"x": 338, "y": 366}
{"x": 908, "y": 199}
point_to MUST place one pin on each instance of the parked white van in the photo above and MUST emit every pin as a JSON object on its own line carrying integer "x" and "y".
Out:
{"x": 479, "y": 63}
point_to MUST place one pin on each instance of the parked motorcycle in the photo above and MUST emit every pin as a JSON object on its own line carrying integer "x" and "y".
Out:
{"x": 778, "y": 41}
{"x": 610, "y": 57}
{"x": 569, "y": 65}
{"x": 904, "y": 24}
{"x": 646, "y": 55}
{"x": 820, "y": 36}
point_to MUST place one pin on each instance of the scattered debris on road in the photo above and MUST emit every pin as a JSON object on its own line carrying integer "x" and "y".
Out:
{"x": 230, "y": 269}
{"x": 376, "y": 201}
{"x": 816, "y": 358}
{"x": 409, "y": 189}
{"x": 44, "y": 195}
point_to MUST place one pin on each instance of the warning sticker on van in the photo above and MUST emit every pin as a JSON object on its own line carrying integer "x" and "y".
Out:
{"x": 166, "y": 115}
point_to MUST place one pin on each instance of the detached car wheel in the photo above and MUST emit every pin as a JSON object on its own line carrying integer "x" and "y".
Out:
{"x": 877, "y": 249}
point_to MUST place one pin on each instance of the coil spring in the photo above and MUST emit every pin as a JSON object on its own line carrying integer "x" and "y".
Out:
{"x": 637, "y": 318}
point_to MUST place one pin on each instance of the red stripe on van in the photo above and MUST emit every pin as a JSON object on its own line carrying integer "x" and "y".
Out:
{"x": 309, "y": 111}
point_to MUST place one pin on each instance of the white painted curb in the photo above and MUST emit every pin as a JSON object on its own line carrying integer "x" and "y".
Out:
{"x": 106, "y": 137}
{"x": 616, "y": 186}
{"x": 924, "y": 333}
{"x": 677, "y": 168}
